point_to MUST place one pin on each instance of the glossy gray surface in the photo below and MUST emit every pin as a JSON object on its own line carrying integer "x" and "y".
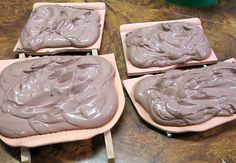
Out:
{"x": 60, "y": 26}
{"x": 182, "y": 98}
{"x": 52, "y": 94}
{"x": 167, "y": 44}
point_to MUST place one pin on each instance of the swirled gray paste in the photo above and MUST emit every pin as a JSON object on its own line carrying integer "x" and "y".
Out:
{"x": 183, "y": 98}
{"x": 166, "y": 44}
{"x": 60, "y": 26}
{"x": 52, "y": 94}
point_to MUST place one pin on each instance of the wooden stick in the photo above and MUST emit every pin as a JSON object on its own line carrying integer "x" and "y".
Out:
{"x": 107, "y": 135}
{"x": 24, "y": 152}
{"x": 109, "y": 146}
{"x": 94, "y": 52}
{"x": 25, "y": 155}
{"x": 22, "y": 56}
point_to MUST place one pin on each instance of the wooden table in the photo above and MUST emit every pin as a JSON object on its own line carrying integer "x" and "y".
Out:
{"x": 135, "y": 140}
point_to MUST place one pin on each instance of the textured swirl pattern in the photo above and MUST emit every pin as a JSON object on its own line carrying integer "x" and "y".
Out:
{"x": 182, "y": 98}
{"x": 52, "y": 94}
{"x": 166, "y": 44}
{"x": 60, "y": 26}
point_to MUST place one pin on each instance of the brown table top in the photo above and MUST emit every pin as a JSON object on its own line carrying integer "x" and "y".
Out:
{"x": 134, "y": 140}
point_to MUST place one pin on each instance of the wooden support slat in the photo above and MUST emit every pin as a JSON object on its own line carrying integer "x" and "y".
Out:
{"x": 22, "y": 56}
{"x": 25, "y": 155}
{"x": 107, "y": 135}
{"x": 94, "y": 52}
{"x": 24, "y": 152}
{"x": 109, "y": 147}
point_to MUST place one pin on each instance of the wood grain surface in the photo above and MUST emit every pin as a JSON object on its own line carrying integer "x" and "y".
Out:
{"x": 135, "y": 140}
